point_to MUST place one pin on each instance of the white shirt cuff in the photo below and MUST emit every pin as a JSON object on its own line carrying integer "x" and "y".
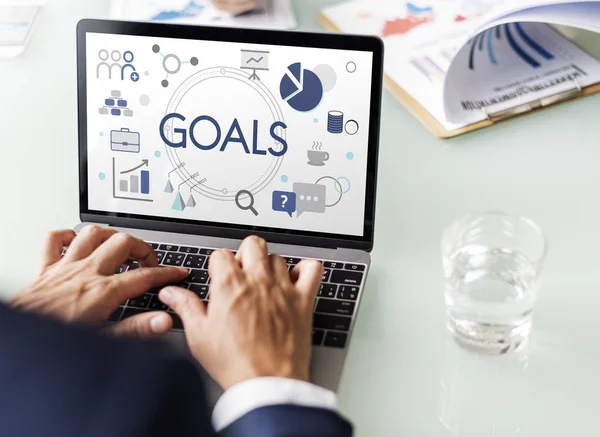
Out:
{"x": 255, "y": 393}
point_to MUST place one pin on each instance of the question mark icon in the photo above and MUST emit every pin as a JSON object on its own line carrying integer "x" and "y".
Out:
{"x": 285, "y": 199}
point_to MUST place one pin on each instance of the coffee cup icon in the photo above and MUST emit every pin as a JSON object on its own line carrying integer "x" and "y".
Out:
{"x": 317, "y": 157}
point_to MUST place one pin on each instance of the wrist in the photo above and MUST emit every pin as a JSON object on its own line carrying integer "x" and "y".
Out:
{"x": 286, "y": 372}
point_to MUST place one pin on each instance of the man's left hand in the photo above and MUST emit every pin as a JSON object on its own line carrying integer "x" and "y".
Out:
{"x": 82, "y": 287}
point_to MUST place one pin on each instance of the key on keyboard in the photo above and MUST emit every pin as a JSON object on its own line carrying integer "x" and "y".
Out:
{"x": 198, "y": 276}
{"x": 159, "y": 256}
{"x": 317, "y": 337}
{"x": 335, "y": 339}
{"x": 326, "y": 321}
{"x": 332, "y": 306}
{"x": 174, "y": 259}
{"x": 140, "y": 302}
{"x": 333, "y": 265}
{"x": 157, "y": 305}
{"x": 194, "y": 261}
{"x": 327, "y": 290}
{"x": 200, "y": 290}
{"x": 346, "y": 277}
{"x": 185, "y": 249}
{"x": 346, "y": 292}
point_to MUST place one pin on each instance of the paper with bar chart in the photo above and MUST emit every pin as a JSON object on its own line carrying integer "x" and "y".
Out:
{"x": 462, "y": 59}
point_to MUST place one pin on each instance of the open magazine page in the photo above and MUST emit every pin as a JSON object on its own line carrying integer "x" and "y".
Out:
{"x": 515, "y": 63}
{"x": 421, "y": 39}
{"x": 271, "y": 14}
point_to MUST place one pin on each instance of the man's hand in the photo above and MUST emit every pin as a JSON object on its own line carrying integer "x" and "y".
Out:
{"x": 81, "y": 287}
{"x": 235, "y": 7}
{"x": 259, "y": 321}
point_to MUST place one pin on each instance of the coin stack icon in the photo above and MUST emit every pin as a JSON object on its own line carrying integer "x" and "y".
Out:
{"x": 335, "y": 122}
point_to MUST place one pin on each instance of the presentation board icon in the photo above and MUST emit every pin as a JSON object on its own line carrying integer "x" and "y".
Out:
{"x": 124, "y": 141}
{"x": 132, "y": 183}
{"x": 301, "y": 88}
{"x": 255, "y": 60}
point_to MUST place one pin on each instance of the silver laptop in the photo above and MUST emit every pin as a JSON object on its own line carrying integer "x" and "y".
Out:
{"x": 193, "y": 138}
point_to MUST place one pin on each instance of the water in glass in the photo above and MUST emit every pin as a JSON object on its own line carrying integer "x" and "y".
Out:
{"x": 490, "y": 292}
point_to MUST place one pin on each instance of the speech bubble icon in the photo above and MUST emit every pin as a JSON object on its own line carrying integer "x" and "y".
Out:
{"x": 310, "y": 198}
{"x": 284, "y": 201}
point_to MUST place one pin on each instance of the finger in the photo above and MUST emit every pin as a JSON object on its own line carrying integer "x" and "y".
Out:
{"x": 144, "y": 326}
{"x": 308, "y": 274}
{"x": 235, "y": 6}
{"x": 224, "y": 270}
{"x": 254, "y": 258}
{"x": 186, "y": 304}
{"x": 121, "y": 247}
{"x": 280, "y": 271}
{"x": 54, "y": 244}
{"x": 88, "y": 240}
{"x": 133, "y": 283}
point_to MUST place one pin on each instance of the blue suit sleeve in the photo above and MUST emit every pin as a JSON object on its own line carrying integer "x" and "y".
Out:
{"x": 289, "y": 421}
{"x": 65, "y": 381}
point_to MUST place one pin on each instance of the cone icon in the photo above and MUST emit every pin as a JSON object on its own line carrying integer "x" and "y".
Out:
{"x": 178, "y": 204}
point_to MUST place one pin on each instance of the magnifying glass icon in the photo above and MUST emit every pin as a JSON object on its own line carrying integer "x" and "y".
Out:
{"x": 249, "y": 206}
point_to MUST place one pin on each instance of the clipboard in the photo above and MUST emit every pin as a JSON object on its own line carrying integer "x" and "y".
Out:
{"x": 436, "y": 128}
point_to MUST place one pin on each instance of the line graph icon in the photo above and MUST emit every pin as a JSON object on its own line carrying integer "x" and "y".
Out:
{"x": 255, "y": 60}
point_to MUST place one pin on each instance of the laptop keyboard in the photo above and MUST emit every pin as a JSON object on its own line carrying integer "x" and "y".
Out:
{"x": 334, "y": 308}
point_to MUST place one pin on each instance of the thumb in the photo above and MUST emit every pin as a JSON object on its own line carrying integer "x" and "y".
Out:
{"x": 186, "y": 304}
{"x": 144, "y": 326}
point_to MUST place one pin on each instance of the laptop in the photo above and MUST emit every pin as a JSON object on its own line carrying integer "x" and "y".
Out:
{"x": 192, "y": 138}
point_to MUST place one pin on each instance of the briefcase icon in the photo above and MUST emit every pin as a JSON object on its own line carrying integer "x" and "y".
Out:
{"x": 124, "y": 141}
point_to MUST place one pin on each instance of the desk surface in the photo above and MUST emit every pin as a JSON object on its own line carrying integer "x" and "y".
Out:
{"x": 403, "y": 376}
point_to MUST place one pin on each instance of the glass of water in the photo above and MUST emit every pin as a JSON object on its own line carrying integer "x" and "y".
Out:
{"x": 492, "y": 263}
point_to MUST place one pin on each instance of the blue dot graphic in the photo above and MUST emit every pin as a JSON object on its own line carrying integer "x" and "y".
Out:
{"x": 316, "y": 120}
{"x": 102, "y": 176}
{"x": 101, "y": 134}
{"x": 284, "y": 178}
{"x": 157, "y": 153}
{"x": 349, "y": 156}
{"x": 147, "y": 73}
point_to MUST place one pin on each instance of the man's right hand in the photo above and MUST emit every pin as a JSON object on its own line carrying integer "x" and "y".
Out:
{"x": 259, "y": 321}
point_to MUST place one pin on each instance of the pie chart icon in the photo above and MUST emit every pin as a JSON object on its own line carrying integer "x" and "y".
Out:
{"x": 301, "y": 88}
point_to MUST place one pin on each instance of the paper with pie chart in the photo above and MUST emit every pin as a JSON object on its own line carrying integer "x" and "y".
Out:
{"x": 301, "y": 88}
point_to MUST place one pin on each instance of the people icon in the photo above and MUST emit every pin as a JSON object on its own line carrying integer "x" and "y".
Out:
{"x": 108, "y": 62}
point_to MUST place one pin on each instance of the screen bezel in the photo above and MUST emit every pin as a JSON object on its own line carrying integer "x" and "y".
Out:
{"x": 235, "y": 231}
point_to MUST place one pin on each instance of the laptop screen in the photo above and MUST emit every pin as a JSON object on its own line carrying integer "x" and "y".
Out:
{"x": 263, "y": 136}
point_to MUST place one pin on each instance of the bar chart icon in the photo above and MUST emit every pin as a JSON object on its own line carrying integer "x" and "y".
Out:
{"x": 132, "y": 184}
